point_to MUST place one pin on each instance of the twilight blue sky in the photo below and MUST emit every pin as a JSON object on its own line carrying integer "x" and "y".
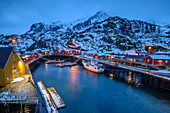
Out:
{"x": 16, "y": 16}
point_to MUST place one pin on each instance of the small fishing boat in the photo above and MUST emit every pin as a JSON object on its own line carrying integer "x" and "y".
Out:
{"x": 54, "y": 61}
{"x": 93, "y": 66}
{"x": 66, "y": 64}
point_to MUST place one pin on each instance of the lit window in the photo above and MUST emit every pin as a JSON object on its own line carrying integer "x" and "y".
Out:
{"x": 166, "y": 61}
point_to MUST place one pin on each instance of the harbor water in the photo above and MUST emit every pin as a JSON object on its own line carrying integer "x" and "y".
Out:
{"x": 83, "y": 91}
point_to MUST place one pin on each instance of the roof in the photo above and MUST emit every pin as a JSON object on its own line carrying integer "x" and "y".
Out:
{"x": 5, "y": 53}
{"x": 134, "y": 56}
{"x": 160, "y": 57}
{"x": 91, "y": 52}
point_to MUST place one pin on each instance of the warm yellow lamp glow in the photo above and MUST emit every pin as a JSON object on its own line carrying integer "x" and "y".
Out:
{"x": 13, "y": 41}
{"x": 20, "y": 63}
{"x": 160, "y": 61}
{"x": 150, "y": 47}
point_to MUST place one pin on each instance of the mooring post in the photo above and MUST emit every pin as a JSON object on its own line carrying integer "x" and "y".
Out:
{"x": 163, "y": 82}
{"x": 5, "y": 105}
{"x": 21, "y": 105}
{"x": 150, "y": 80}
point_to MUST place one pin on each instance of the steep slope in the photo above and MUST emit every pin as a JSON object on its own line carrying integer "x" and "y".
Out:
{"x": 99, "y": 32}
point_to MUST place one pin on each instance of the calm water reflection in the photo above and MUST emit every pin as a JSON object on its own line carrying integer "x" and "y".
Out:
{"x": 84, "y": 91}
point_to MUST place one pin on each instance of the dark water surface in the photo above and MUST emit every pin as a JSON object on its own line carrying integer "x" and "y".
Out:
{"x": 86, "y": 92}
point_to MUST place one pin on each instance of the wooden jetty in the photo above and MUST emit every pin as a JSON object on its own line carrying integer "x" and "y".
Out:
{"x": 52, "y": 100}
{"x": 126, "y": 69}
{"x": 57, "y": 99}
{"x": 49, "y": 102}
{"x": 135, "y": 74}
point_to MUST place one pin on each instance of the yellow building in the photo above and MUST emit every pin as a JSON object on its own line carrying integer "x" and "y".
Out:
{"x": 11, "y": 65}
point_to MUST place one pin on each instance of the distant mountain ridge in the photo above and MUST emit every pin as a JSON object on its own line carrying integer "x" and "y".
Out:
{"x": 99, "y": 32}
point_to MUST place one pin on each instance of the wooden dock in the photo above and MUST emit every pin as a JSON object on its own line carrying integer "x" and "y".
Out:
{"x": 51, "y": 98}
{"x": 57, "y": 99}
{"x": 145, "y": 76}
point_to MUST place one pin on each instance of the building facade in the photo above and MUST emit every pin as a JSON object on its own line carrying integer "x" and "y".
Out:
{"x": 11, "y": 65}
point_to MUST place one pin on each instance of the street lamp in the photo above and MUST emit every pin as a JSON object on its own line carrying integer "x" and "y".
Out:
{"x": 150, "y": 49}
{"x": 13, "y": 41}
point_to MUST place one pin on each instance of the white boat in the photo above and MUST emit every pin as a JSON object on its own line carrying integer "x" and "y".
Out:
{"x": 54, "y": 61}
{"x": 66, "y": 64}
{"x": 93, "y": 66}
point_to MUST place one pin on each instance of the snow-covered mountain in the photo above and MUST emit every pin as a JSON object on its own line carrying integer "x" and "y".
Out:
{"x": 99, "y": 32}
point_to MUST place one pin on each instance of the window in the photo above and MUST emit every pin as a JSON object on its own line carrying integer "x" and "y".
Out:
{"x": 147, "y": 60}
{"x": 166, "y": 61}
{"x": 13, "y": 63}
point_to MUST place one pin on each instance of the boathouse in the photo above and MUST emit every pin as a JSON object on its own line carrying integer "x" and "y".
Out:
{"x": 158, "y": 60}
{"x": 56, "y": 52}
{"x": 11, "y": 65}
{"x": 134, "y": 58}
{"x": 27, "y": 56}
{"x": 63, "y": 52}
{"x": 45, "y": 52}
{"x": 95, "y": 56}
{"x": 36, "y": 55}
{"x": 40, "y": 52}
{"x": 91, "y": 53}
{"x": 73, "y": 52}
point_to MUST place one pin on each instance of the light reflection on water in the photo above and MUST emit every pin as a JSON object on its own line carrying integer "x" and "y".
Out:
{"x": 84, "y": 91}
{"x": 74, "y": 73}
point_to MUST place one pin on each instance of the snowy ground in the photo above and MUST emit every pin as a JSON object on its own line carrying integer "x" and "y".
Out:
{"x": 17, "y": 80}
{"x": 20, "y": 89}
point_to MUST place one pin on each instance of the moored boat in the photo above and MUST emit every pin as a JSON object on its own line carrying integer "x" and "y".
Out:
{"x": 54, "y": 61}
{"x": 93, "y": 66}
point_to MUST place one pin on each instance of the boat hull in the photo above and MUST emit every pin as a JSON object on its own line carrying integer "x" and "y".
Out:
{"x": 92, "y": 68}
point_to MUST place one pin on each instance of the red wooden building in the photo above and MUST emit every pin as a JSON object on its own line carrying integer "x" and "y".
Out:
{"x": 73, "y": 52}
{"x": 27, "y": 56}
{"x": 67, "y": 52}
{"x": 63, "y": 52}
{"x": 36, "y": 55}
{"x": 95, "y": 56}
{"x": 157, "y": 60}
{"x": 40, "y": 52}
{"x": 56, "y": 52}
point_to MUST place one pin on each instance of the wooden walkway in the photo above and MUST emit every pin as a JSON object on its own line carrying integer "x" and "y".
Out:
{"x": 52, "y": 100}
{"x": 139, "y": 70}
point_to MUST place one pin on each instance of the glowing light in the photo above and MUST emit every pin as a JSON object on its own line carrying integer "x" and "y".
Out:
{"x": 150, "y": 47}
{"x": 160, "y": 61}
{"x": 46, "y": 66}
{"x": 13, "y": 41}
{"x": 112, "y": 57}
{"x": 111, "y": 75}
{"x": 20, "y": 63}
{"x": 27, "y": 59}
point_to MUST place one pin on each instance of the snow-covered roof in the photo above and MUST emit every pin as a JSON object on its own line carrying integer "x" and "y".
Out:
{"x": 91, "y": 52}
{"x": 160, "y": 57}
{"x": 45, "y": 50}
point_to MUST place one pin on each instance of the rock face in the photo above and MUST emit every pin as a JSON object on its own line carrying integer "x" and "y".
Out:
{"x": 99, "y": 32}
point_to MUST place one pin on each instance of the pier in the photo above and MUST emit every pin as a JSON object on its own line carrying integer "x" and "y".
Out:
{"x": 21, "y": 94}
{"x": 52, "y": 100}
{"x": 135, "y": 75}
{"x": 124, "y": 70}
